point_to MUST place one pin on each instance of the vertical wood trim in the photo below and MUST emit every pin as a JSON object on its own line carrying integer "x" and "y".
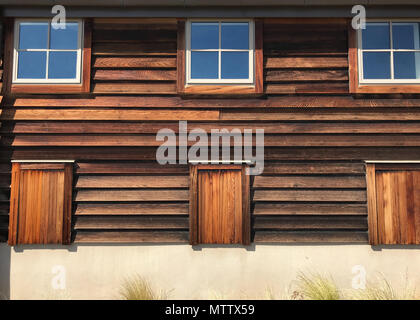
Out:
{"x": 68, "y": 188}
{"x": 14, "y": 204}
{"x": 193, "y": 206}
{"x": 8, "y": 56}
{"x": 246, "y": 214}
{"x": 87, "y": 55}
{"x": 372, "y": 204}
{"x": 416, "y": 205}
{"x": 180, "y": 58}
{"x": 259, "y": 56}
{"x": 352, "y": 57}
{"x": 411, "y": 208}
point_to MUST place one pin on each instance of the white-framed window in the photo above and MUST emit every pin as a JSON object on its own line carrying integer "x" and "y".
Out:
{"x": 220, "y": 51}
{"x": 44, "y": 54}
{"x": 389, "y": 52}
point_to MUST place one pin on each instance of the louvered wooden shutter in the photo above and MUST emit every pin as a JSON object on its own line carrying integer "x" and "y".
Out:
{"x": 40, "y": 203}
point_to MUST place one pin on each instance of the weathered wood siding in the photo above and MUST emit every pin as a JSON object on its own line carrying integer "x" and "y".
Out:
{"x": 316, "y": 137}
{"x": 305, "y": 57}
{"x": 135, "y": 56}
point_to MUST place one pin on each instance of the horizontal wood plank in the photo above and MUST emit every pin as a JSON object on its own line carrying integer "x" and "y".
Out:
{"x": 139, "y": 127}
{"x": 307, "y": 88}
{"x": 129, "y": 168}
{"x": 105, "y": 114}
{"x": 271, "y": 154}
{"x": 131, "y": 236}
{"x": 267, "y": 208}
{"x": 313, "y": 140}
{"x": 131, "y": 222}
{"x": 305, "y": 75}
{"x": 318, "y": 116}
{"x": 276, "y": 167}
{"x": 310, "y": 222}
{"x": 134, "y": 62}
{"x": 138, "y": 88}
{"x": 134, "y": 49}
{"x": 311, "y": 195}
{"x": 262, "y": 182}
{"x": 131, "y": 195}
{"x": 305, "y": 62}
{"x": 134, "y": 75}
{"x": 284, "y": 102}
{"x": 311, "y": 237}
{"x": 133, "y": 35}
{"x": 155, "y": 181}
{"x": 156, "y": 208}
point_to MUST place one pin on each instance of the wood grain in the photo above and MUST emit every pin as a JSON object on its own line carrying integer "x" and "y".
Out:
{"x": 41, "y": 205}
{"x": 219, "y": 211}
{"x": 397, "y": 194}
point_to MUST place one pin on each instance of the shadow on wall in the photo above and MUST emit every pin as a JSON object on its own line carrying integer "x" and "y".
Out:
{"x": 4, "y": 271}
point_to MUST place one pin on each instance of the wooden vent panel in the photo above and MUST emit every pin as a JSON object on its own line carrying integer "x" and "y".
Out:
{"x": 219, "y": 206}
{"x": 398, "y": 207}
{"x": 40, "y": 206}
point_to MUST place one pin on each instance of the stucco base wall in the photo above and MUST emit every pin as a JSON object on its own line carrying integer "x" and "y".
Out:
{"x": 97, "y": 272}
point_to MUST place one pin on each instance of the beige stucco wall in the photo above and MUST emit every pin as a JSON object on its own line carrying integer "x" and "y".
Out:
{"x": 96, "y": 272}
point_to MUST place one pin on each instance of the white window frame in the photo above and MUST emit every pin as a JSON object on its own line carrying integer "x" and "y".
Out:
{"x": 79, "y": 51}
{"x": 360, "y": 51}
{"x": 251, "y": 53}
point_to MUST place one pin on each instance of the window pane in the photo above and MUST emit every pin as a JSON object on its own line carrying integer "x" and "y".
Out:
{"x": 376, "y": 65}
{"x": 376, "y": 36}
{"x": 204, "y": 65}
{"x": 235, "y": 35}
{"x": 32, "y": 65}
{"x": 405, "y": 35}
{"x": 62, "y": 65}
{"x": 407, "y": 65}
{"x": 65, "y": 38}
{"x": 235, "y": 65}
{"x": 33, "y": 35}
{"x": 204, "y": 35}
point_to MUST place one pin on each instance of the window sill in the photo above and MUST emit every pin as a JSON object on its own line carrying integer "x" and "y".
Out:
{"x": 387, "y": 89}
{"x": 219, "y": 90}
{"x": 49, "y": 88}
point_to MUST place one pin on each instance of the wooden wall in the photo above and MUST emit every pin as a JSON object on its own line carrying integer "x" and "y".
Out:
{"x": 134, "y": 56}
{"x": 316, "y": 137}
{"x": 308, "y": 57}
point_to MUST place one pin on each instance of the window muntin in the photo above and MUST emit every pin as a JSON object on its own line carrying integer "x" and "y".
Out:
{"x": 389, "y": 52}
{"x": 220, "y": 52}
{"x": 43, "y": 54}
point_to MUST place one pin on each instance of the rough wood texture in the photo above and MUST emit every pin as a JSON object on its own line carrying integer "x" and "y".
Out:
{"x": 219, "y": 211}
{"x": 134, "y": 58}
{"x": 219, "y": 207}
{"x": 317, "y": 135}
{"x": 149, "y": 236}
{"x": 40, "y": 205}
{"x": 307, "y": 58}
{"x": 397, "y": 205}
{"x": 372, "y": 209}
